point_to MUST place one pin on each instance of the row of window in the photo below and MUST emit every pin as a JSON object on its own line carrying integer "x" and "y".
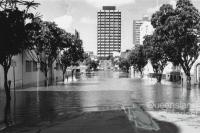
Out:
{"x": 109, "y": 39}
{"x": 106, "y": 27}
{"x": 105, "y": 54}
{"x": 110, "y": 34}
{"x": 109, "y": 20}
{"x": 107, "y": 46}
{"x": 109, "y": 15}
{"x": 107, "y": 36}
{"x": 108, "y": 24}
{"x": 101, "y": 13}
{"x": 31, "y": 66}
{"x": 111, "y": 29}
{"x": 108, "y": 49}
{"x": 109, "y": 43}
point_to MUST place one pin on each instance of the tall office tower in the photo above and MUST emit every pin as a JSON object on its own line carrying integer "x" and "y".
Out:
{"x": 136, "y": 31}
{"x": 109, "y": 31}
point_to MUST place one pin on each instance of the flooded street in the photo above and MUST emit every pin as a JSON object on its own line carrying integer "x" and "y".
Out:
{"x": 100, "y": 91}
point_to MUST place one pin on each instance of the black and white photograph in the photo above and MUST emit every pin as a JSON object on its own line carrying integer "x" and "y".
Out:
{"x": 99, "y": 66}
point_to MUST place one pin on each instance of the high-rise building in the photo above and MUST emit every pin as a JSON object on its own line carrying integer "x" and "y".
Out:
{"x": 136, "y": 31}
{"x": 109, "y": 31}
{"x": 140, "y": 29}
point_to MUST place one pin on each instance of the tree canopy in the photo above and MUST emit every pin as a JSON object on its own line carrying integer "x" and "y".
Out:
{"x": 178, "y": 30}
{"x": 124, "y": 64}
{"x": 13, "y": 32}
{"x": 137, "y": 58}
{"x": 155, "y": 54}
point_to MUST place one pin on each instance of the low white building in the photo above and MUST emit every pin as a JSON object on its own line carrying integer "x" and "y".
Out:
{"x": 25, "y": 72}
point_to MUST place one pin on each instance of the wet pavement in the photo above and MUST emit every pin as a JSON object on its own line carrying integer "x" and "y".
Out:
{"x": 99, "y": 91}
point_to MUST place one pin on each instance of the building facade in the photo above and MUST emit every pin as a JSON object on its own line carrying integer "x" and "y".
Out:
{"x": 108, "y": 31}
{"x": 140, "y": 29}
{"x": 136, "y": 31}
{"x": 25, "y": 72}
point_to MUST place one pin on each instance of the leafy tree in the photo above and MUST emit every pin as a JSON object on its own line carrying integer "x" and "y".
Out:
{"x": 124, "y": 65}
{"x": 155, "y": 53}
{"x": 74, "y": 54}
{"x": 178, "y": 29}
{"x": 12, "y": 34}
{"x": 92, "y": 64}
{"x": 76, "y": 51}
{"x": 65, "y": 61}
{"x": 47, "y": 41}
{"x": 137, "y": 58}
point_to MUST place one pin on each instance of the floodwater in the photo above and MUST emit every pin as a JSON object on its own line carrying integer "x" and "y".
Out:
{"x": 99, "y": 91}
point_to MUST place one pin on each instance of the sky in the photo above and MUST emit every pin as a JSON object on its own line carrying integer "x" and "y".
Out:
{"x": 82, "y": 16}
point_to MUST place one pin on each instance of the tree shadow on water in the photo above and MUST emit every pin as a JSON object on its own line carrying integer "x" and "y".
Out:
{"x": 7, "y": 114}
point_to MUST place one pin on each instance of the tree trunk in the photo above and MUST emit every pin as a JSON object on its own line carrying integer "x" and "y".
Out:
{"x": 127, "y": 70}
{"x": 51, "y": 76}
{"x": 7, "y": 113}
{"x": 63, "y": 76}
{"x": 6, "y": 87}
{"x": 72, "y": 74}
{"x": 188, "y": 81}
{"x": 141, "y": 74}
{"x": 159, "y": 77}
{"x": 46, "y": 77}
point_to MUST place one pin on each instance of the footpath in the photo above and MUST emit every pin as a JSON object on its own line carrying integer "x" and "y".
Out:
{"x": 118, "y": 121}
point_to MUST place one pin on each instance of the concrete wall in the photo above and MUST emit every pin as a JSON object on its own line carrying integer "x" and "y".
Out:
{"x": 25, "y": 79}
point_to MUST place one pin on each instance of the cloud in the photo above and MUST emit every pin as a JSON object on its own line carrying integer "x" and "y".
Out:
{"x": 64, "y": 22}
{"x": 152, "y": 10}
{"x": 173, "y": 3}
{"x": 88, "y": 20}
{"x": 97, "y": 3}
{"x": 100, "y": 3}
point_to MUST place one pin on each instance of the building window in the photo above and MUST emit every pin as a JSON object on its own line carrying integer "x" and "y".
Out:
{"x": 34, "y": 66}
{"x": 28, "y": 66}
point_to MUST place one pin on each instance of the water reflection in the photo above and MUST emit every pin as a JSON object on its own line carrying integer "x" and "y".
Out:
{"x": 7, "y": 114}
{"x": 99, "y": 91}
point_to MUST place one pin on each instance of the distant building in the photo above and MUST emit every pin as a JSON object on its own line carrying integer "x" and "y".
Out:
{"x": 109, "y": 31}
{"x": 140, "y": 29}
{"x": 136, "y": 31}
{"x": 91, "y": 55}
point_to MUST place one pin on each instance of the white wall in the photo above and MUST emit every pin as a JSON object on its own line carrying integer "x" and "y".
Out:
{"x": 28, "y": 78}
